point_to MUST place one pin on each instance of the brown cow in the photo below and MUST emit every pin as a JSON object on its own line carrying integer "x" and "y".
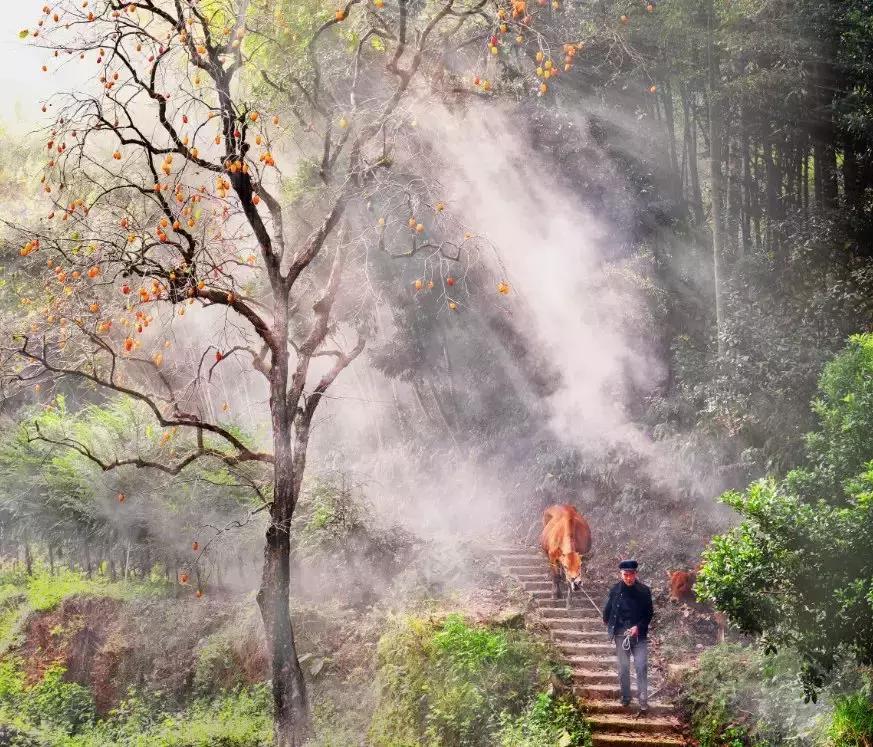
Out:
{"x": 681, "y": 585}
{"x": 565, "y": 538}
{"x": 682, "y": 591}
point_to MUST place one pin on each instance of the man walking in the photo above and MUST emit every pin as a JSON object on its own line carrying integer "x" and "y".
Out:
{"x": 627, "y": 615}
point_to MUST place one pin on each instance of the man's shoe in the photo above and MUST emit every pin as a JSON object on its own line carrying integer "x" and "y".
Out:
{"x": 625, "y": 704}
{"x": 643, "y": 712}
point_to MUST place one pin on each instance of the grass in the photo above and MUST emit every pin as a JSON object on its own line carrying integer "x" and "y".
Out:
{"x": 239, "y": 718}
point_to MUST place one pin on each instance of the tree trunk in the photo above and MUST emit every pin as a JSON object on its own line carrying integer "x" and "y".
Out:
{"x": 693, "y": 176}
{"x": 805, "y": 184}
{"x": 745, "y": 224}
{"x": 774, "y": 198}
{"x": 290, "y": 708}
{"x": 734, "y": 207}
{"x": 853, "y": 188}
{"x": 823, "y": 148}
{"x": 715, "y": 141}
{"x": 669, "y": 118}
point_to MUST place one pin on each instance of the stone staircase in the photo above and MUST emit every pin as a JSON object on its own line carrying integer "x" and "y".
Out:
{"x": 580, "y": 635}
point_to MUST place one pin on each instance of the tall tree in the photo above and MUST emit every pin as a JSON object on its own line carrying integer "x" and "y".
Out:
{"x": 169, "y": 198}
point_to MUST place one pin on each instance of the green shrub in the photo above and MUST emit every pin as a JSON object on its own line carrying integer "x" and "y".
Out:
{"x": 11, "y": 681}
{"x": 242, "y": 718}
{"x": 852, "y": 722}
{"x": 217, "y": 667}
{"x": 453, "y": 683}
{"x": 64, "y": 705}
{"x": 798, "y": 570}
{"x": 548, "y": 721}
{"x": 738, "y": 696}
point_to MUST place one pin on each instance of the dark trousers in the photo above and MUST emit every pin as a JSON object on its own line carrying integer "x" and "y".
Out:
{"x": 639, "y": 649}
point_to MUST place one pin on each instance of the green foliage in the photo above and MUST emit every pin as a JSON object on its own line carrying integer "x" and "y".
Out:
{"x": 852, "y": 721}
{"x": 242, "y": 718}
{"x": 66, "y": 706}
{"x": 455, "y": 683}
{"x": 45, "y": 590}
{"x": 333, "y": 519}
{"x": 58, "y": 714}
{"x": 217, "y": 667}
{"x": 841, "y": 446}
{"x": 548, "y": 722}
{"x": 11, "y": 680}
{"x": 332, "y": 727}
{"x": 737, "y": 696}
{"x": 798, "y": 569}
{"x": 60, "y": 497}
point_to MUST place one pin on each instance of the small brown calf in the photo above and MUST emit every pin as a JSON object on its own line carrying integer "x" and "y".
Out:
{"x": 682, "y": 591}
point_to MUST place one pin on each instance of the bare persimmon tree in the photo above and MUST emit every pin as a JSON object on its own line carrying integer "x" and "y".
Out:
{"x": 169, "y": 192}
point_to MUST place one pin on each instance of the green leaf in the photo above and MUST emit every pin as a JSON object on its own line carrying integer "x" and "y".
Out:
{"x": 23, "y": 34}
{"x": 566, "y": 740}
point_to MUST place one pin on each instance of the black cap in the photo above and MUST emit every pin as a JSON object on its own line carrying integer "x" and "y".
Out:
{"x": 628, "y": 565}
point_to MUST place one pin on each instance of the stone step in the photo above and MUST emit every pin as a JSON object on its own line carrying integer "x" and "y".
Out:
{"x": 614, "y": 706}
{"x": 604, "y": 658}
{"x": 593, "y": 662}
{"x": 629, "y": 721}
{"x": 587, "y": 610}
{"x": 598, "y": 691}
{"x": 635, "y": 739}
{"x": 594, "y": 676}
{"x": 594, "y": 632}
{"x": 516, "y": 571}
{"x": 592, "y": 649}
{"x": 577, "y": 645}
{"x": 526, "y": 578}
{"x": 538, "y": 583}
{"x": 517, "y": 567}
{"x": 574, "y": 635}
{"x": 559, "y": 618}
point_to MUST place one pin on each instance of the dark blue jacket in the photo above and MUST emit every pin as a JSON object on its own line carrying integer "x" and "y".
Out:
{"x": 639, "y": 599}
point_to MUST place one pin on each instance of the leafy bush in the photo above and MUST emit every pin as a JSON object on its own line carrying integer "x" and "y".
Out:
{"x": 332, "y": 516}
{"x": 217, "y": 666}
{"x": 241, "y": 718}
{"x": 852, "y": 722}
{"x": 548, "y": 721}
{"x": 727, "y": 682}
{"x": 67, "y": 706}
{"x": 843, "y": 443}
{"x": 453, "y": 683}
{"x": 11, "y": 680}
{"x": 798, "y": 570}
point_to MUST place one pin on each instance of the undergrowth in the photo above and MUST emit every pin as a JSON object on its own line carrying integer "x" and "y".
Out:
{"x": 41, "y": 591}
{"x": 453, "y": 683}
{"x": 852, "y": 721}
{"x": 55, "y": 713}
{"x": 738, "y": 697}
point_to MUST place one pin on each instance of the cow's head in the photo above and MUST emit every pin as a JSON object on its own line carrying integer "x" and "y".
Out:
{"x": 681, "y": 585}
{"x": 572, "y": 565}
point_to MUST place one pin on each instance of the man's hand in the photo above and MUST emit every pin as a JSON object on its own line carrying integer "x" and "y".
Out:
{"x": 634, "y": 631}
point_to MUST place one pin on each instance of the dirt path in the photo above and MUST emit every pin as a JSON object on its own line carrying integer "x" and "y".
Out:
{"x": 580, "y": 635}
